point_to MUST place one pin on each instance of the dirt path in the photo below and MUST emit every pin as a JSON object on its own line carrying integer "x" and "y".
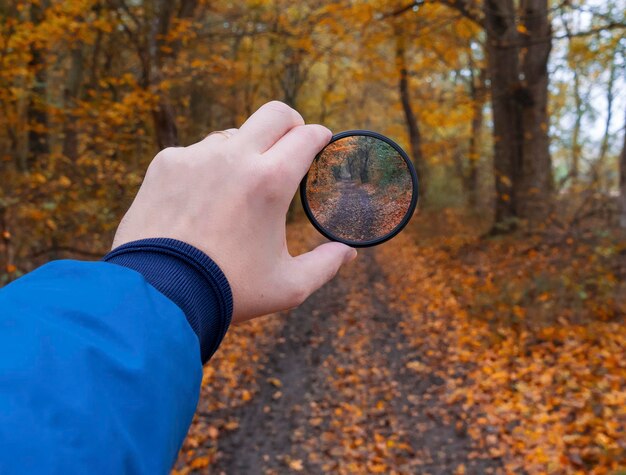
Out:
{"x": 353, "y": 217}
{"x": 336, "y": 395}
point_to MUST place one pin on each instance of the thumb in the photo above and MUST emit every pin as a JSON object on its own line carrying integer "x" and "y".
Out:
{"x": 317, "y": 267}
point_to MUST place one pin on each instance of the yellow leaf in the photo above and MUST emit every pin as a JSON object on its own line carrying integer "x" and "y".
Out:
{"x": 316, "y": 421}
{"x": 231, "y": 425}
{"x": 378, "y": 468}
{"x": 296, "y": 465}
{"x": 199, "y": 462}
{"x": 416, "y": 366}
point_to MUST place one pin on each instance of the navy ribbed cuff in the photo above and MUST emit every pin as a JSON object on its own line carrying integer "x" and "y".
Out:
{"x": 189, "y": 278}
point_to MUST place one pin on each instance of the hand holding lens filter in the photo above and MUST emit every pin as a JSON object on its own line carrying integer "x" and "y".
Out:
{"x": 361, "y": 189}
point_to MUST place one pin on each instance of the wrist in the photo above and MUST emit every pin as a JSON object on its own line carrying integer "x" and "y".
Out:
{"x": 189, "y": 278}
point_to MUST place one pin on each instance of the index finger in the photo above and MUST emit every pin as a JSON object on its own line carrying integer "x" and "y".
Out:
{"x": 267, "y": 125}
{"x": 297, "y": 148}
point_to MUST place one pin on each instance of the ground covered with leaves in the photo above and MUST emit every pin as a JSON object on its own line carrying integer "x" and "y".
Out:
{"x": 430, "y": 354}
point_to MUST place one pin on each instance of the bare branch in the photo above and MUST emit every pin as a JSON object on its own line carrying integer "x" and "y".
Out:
{"x": 404, "y": 9}
{"x": 462, "y": 6}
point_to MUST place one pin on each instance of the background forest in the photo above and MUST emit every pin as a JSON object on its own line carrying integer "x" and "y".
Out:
{"x": 501, "y": 335}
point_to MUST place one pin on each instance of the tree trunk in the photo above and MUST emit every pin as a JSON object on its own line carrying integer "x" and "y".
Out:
{"x": 165, "y": 124}
{"x": 364, "y": 171}
{"x": 5, "y": 242}
{"x": 70, "y": 94}
{"x": 331, "y": 84}
{"x": 610, "y": 96}
{"x": 576, "y": 148}
{"x": 291, "y": 78}
{"x": 622, "y": 182}
{"x": 503, "y": 70}
{"x": 37, "y": 114}
{"x": 537, "y": 184}
{"x": 517, "y": 65}
{"x": 163, "y": 114}
{"x": 415, "y": 137}
{"x": 477, "y": 93}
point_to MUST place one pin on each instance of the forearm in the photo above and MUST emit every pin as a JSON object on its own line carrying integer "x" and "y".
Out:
{"x": 100, "y": 368}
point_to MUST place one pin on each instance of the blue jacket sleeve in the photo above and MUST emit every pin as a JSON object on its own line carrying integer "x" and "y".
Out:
{"x": 101, "y": 362}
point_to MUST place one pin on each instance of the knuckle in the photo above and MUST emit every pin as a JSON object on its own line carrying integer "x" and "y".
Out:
{"x": 167, "y": 154}
{"x": 321, "y": 132}
{"x": 279, "y": 106}
{"x": 310, "y": 133}
{"x": 282, "y": 108}
{"x": 298, "y": 294}
{"x": 163, "y": 160}
{"x": 166, "y": 162}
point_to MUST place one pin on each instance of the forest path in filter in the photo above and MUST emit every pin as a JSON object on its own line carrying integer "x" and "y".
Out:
{"x": 353, "y": 218}
{"x": 336, "y": 395}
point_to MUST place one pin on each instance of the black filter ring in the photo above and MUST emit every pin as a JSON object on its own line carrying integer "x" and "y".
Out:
{"x": 405, "y": 219}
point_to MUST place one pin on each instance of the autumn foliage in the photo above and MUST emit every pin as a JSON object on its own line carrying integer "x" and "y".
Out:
{"x": 488, "y": 337}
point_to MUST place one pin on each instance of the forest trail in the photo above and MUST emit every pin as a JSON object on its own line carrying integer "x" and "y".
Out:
{"x": 339, "y": 392}
{"x": 354, "y": 217}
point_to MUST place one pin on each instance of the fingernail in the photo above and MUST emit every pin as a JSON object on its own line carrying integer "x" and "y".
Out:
{"x": 351, "y": 255}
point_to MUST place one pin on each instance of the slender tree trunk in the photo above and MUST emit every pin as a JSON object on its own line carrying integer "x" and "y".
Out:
{"x": 5, "y": 241}
{"x": 412, "y": 124}
{"x": 610, "y": 97}
{"x": 37, "y": 114}
{"x": 291, "y": 78}
{"x": 576, "y": 148}
{"x": 165, "y": 124}
{"x": 477, "y": 93}
{"x": 622, "y": 182}
{"x": 537, "y": 182}
{"x": 330, "y": 87}
{"x": 252, "y": 85}
{"x": 503, "y": 70}
{"x": 235, "y": 89}
{"x": 163, "y": 114}
{"x": 70, "y": 93}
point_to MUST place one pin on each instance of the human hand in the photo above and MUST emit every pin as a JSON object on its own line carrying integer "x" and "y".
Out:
{"x": 228, "y": 195}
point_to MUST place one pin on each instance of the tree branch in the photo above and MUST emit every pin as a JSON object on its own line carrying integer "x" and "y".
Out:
{"x": 461, "y": 6}
{"x": 593, "y": 31}
{"x": 404, "y": 9}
